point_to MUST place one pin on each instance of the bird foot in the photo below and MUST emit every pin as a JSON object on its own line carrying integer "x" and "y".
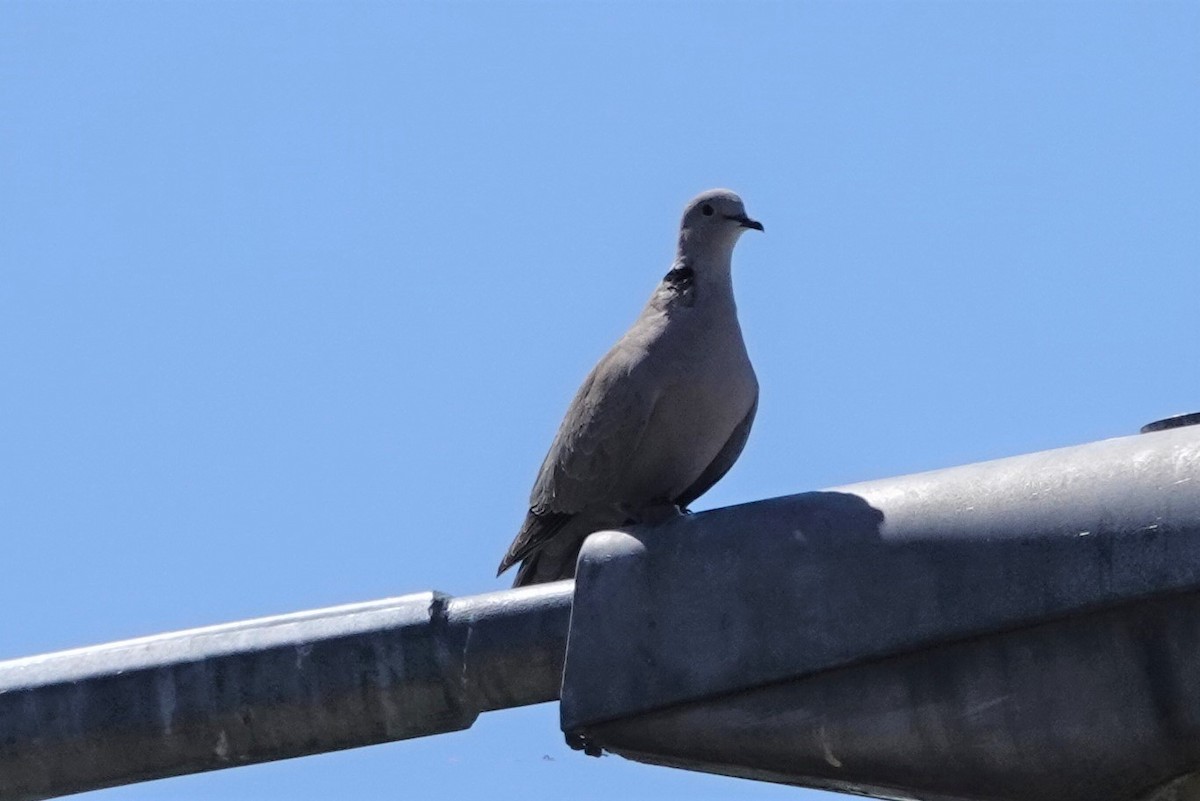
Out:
{"x": 581, "y": 742}
{"x": 658, "y": 514}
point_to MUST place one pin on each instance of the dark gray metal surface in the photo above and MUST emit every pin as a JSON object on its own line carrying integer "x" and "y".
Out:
{"x": 1098, "y": 707}
{"x": 1175, "y": 421}
{"x": 769, "y": 640}
{"x": 274, "y": 688}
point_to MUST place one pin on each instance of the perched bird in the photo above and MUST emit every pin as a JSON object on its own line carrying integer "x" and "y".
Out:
{"x": 662, "y": 417}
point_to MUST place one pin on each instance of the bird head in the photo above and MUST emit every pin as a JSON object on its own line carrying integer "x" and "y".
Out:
{"x": 713, "y": 221}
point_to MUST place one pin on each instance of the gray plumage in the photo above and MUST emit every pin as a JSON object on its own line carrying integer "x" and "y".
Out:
{"x": 662, "y": 417}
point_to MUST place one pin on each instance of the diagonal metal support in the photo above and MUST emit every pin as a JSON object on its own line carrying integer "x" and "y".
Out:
{"x": 275, "y": 688}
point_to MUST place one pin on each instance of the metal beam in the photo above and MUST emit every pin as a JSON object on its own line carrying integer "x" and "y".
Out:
{"x": 1026, "y": 629}
{"x": 873, "y": 570}
{"x": 275, "y": 688}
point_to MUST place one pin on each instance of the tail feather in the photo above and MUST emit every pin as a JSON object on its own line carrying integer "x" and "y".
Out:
{"x": 554, "y": 561}
{"x": 535, "y": 532}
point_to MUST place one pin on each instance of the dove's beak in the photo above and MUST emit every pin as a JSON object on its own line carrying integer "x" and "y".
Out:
{"x": 746, "y": 222}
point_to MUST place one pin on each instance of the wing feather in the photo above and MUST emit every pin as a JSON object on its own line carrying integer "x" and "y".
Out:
{"x": 721, "y": 463}
{"x": 593, "y": 448}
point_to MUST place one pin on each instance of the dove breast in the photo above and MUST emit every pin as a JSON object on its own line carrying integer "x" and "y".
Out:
{"x": 702, "y": 397}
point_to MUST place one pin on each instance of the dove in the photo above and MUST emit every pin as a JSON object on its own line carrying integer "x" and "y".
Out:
{"x": 661, "y": 417}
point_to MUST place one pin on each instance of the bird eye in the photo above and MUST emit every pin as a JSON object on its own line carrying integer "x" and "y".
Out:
{"x": 706, "y": 210}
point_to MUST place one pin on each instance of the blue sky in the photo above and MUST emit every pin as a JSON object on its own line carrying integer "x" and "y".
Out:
{"x": 293, "y": 296}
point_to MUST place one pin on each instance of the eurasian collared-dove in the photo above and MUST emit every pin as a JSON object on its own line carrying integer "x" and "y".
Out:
{"x": 662, "y": 417}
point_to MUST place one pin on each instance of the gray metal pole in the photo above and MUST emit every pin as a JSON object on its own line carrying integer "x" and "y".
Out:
{"x": 275, "y": 688}
{"x": 425, "y": 664}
